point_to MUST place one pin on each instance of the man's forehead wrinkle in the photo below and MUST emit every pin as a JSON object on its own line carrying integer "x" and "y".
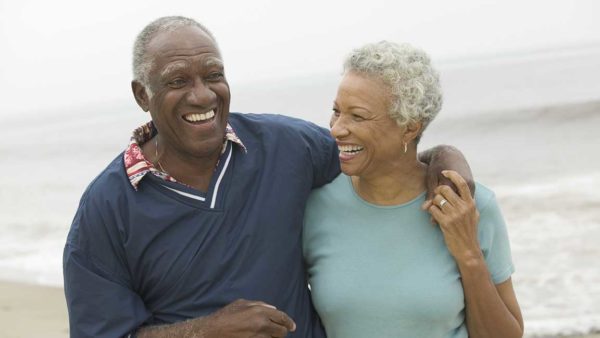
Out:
{"x": 208, "y": 49}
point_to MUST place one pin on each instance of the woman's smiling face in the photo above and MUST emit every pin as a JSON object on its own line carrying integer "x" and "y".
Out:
{"x": 367, "y": 137}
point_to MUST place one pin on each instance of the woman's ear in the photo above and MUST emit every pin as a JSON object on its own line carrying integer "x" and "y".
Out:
{"x": 412, "y": 131}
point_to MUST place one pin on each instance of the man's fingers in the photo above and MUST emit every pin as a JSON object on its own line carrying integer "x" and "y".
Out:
{"x": 281, "y": 318}
{"x": 262, "y": 304}
{"x": 276, "y": 316}
{"x": 459, "y": 182}
{"x": 277, "y": 331}
{"x": 253, "y": 318}
{"x": 281, "y": 323}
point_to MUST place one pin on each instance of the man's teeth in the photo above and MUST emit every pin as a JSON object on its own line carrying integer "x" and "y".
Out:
{"x": 199, "y": 117}
{"x": 350, "y": 149}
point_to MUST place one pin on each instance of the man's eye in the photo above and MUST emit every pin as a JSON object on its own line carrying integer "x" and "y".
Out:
{"x": 216, "y": 76}
{"x": 336, "y": 112}
{"x": 177, "y": 83}
{"x": 357, "y": 117}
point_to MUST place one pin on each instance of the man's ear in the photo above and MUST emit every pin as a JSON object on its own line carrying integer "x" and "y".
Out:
{"x": 141, "y": 95}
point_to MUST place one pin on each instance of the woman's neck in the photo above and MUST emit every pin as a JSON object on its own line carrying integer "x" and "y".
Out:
{"x": 398, "y": 185}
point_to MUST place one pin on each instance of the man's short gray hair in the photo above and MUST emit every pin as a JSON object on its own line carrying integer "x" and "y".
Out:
{"x": 141, "y": 62}
{"x": 413, "y": 82}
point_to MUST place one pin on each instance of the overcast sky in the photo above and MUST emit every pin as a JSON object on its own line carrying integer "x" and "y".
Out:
{"x": 56, "y": 54}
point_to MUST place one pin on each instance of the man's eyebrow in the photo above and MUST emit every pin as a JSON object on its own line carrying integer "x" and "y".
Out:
{"x": 213, "y": 61}
{"x": 173, "y": 67}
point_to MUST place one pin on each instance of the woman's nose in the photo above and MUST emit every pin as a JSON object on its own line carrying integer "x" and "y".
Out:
{"x": 338, "y": 127}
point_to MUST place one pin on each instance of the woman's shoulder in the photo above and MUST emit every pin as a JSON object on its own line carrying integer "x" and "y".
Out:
{"x": 338, "y": 188}
{"x": 484, "y": 196}
{"x": 493, "y": 235}
{"x": 336, "y": 195}
{"x": 491, "y": 219}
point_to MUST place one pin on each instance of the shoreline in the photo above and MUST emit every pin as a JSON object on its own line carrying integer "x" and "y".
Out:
{"x": 29, "y": 310}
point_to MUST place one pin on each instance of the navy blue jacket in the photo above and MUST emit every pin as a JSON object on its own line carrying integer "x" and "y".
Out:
{"x": 153, "y": 256}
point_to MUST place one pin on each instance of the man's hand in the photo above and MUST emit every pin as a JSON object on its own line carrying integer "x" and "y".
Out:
{"x": 239, "y": 319}
{"x": 244, "y": 318}
{"x": 440, "y": 158}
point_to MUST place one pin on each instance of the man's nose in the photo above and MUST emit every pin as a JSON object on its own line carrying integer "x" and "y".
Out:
{"x": 200, "y": 94}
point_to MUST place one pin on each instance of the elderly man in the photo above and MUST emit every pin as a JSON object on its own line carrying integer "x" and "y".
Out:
{"x": 202, "y": 210}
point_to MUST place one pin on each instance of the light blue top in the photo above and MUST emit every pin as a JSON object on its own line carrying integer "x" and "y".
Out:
{"x": 385, "y": 271}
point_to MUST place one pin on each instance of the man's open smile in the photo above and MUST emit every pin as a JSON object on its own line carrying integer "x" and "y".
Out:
{"x": 199, "y": 118}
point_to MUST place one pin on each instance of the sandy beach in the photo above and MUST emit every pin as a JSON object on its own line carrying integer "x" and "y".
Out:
{"x": 31, "y": 311}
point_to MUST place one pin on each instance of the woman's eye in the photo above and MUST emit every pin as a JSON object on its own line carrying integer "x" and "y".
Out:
{"x": 336, "y": 112}
{"x": 357, "y": 117}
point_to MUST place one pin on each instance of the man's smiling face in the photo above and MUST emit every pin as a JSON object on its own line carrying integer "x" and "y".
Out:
{"x": 189, "y": 101}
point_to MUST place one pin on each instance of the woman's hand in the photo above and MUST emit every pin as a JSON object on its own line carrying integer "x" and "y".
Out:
{"x": 490, "y": 310}
{"x": 458, "y": 217}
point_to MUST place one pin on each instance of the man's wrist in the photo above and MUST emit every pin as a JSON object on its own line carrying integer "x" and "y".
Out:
{"x": 191, "y": 328}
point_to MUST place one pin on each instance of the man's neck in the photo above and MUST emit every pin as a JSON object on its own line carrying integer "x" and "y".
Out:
{"x": 193, "y": 171}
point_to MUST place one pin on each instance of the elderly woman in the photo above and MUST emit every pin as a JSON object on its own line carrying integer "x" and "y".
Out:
{"x": 377, "y": 267}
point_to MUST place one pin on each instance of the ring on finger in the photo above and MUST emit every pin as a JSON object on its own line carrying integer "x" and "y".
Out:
{"x": 442, "y": 202}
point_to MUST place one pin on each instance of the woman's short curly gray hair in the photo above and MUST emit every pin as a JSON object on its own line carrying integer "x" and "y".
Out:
{"x": 141, "y": 62}
{"x": 413, "y": 82}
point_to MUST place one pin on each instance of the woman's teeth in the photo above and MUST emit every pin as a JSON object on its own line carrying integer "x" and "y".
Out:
{"x": 199, "y": 117}
{"x": 351, "y": 149}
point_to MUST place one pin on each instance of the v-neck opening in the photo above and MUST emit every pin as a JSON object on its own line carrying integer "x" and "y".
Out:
{"x": 211, "y": 199}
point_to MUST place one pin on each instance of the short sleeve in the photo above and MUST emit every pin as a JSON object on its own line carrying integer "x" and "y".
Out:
{"x": 494, "y": 241}
{"x": 99, "y": 298}
{"x": 324, "y": 156}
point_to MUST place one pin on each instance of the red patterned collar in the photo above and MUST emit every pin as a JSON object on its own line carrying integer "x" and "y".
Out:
{"x": 136, "y": 164}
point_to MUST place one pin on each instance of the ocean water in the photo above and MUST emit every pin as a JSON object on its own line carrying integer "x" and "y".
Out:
{"x": 554, "y": 231}
{"x": 543, "y": 166}
{"x": 533, "y": 144}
